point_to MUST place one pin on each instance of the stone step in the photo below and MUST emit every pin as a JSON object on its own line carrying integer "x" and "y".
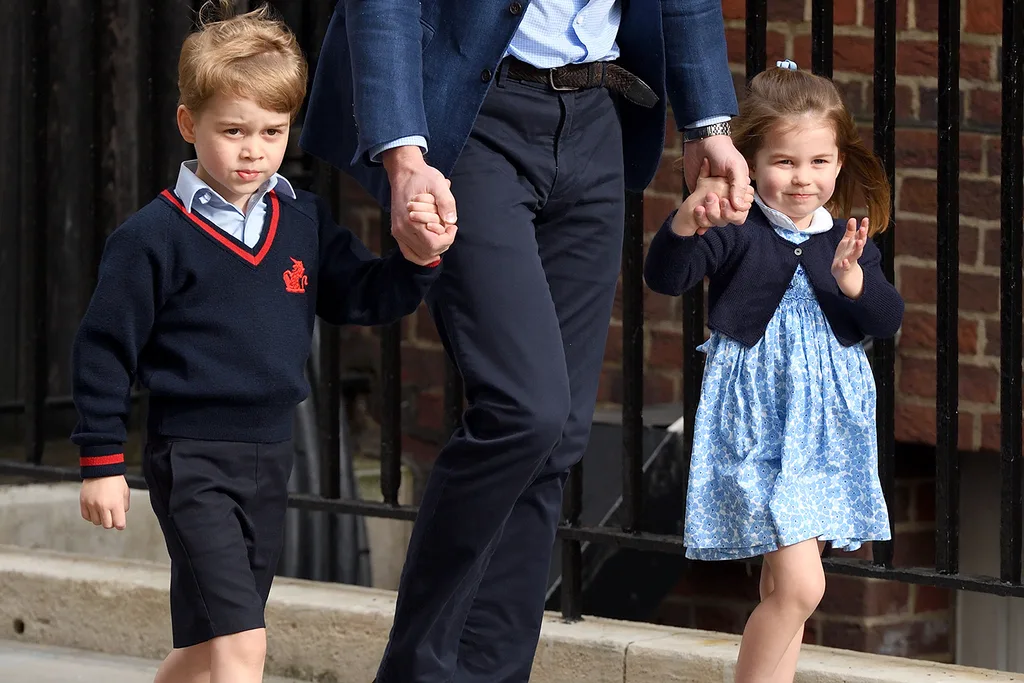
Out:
{"x": 337, "y": 633}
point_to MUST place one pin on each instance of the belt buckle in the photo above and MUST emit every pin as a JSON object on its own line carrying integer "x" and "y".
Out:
{"x": 551, "y": 82}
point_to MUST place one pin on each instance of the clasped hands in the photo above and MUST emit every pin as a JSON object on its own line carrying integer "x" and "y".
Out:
{"x": 720, "y": 192}
{"x": 423, "y": 215}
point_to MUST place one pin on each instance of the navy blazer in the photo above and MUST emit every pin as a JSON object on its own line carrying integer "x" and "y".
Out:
{"x": 750, "y": 267}
{"x": 394, "y": 68}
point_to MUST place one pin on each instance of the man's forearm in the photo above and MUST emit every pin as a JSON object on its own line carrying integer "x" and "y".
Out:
{"x": 698, "y": 78}
{"x": 385, "y": 40}
{"x": 398, "y": 159}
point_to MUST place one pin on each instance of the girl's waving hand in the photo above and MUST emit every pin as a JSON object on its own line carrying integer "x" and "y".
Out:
{"x": 845, "y": 268}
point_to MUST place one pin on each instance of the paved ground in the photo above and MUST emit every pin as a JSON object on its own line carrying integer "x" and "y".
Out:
{"x": 21, "y": 663}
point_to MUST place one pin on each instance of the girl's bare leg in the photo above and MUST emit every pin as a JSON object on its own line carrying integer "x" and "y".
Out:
{"x": 786, "y": 670}
{"x": 798, "y": 584}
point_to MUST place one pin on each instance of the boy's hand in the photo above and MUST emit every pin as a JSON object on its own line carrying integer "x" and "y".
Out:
{"x": 423, "y": 212}
{"x": 104, "y": 501}
{"x": 708, "y": 206}
{"x": 845, "y": 268}
{"x": 423, "y": 216}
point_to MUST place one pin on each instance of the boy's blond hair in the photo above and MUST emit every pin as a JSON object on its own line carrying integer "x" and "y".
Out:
{"x": 250, "y": 55}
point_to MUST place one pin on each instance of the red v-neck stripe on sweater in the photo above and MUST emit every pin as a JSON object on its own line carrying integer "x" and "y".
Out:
{"x": 217, "y": 234}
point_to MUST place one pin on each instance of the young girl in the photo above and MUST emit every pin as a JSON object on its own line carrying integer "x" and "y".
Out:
{"x": 784, "y": 447}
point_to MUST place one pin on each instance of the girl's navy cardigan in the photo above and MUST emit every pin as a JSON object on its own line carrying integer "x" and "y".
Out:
{"x": 750, "y": 266}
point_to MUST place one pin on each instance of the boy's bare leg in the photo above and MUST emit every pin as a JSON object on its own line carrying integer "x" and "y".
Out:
{"x": 239, "y": 657}
{"x": 186, "y": 665}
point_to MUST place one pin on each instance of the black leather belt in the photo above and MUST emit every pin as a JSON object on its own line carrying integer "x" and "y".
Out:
{"x": 584, "y": 76}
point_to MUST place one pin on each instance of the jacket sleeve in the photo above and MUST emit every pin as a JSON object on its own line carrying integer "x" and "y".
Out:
{"x": 104, "y": 357}
{"x": 355, "y": 287}
{"x": 879, "y": 309}
{"x": 675, "y": 264}
{"x": 697, "y": 75}
{"x": 385, "y": 39}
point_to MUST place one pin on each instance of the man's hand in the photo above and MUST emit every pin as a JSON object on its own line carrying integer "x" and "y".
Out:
{"x": 410, "y": 176}
{"x": 726, "y": 162}
{"x": 104, "y": 501}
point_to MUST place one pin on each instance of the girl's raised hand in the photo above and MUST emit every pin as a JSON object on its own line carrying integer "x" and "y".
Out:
{"x": 851, "y": 247}
{"x": 845, "y": 268}
{"x": 423, "y": 210}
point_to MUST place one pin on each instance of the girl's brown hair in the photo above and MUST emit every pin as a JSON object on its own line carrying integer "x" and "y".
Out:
{"x": 776, "y": 97}
{"x": 251, "y": 55}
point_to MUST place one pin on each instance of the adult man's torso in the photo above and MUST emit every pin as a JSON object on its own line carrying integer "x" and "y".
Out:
{"x": 462, "y": 43}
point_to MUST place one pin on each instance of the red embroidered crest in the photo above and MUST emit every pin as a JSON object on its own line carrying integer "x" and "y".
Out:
{"x": 295, "y": 279}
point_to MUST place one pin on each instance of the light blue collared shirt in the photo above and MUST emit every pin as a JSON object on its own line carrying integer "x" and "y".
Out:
{"x": 245, "y": 227}
{"x": 554, "y": 33}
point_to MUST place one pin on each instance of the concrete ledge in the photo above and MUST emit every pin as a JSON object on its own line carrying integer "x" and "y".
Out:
{"x": 332, "y": 633}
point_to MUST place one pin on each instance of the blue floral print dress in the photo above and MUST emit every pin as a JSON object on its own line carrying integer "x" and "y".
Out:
{"x": 784, "y": 445}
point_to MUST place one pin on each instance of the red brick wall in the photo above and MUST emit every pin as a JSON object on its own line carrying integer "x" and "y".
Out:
{"x": 866, "y": 615}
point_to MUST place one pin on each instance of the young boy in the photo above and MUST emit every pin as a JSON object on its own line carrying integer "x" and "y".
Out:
{"x": 208, "y": 296}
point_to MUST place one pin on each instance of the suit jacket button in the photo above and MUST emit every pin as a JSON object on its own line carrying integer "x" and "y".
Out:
{"x": 485, "y": 75}
{"x": 798, "y": 251}
{"x": 515, "y": 8}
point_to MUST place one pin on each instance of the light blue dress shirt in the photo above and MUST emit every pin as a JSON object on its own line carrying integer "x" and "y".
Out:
{"x": 245, "y": 227}
{"x": 554, "y": 33}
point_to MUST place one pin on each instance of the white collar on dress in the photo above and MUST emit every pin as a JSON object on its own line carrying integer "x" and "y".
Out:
{"x": 821, "y": 219}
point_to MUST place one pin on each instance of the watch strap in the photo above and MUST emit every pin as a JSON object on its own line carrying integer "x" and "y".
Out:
{"x": 721, "y": 128}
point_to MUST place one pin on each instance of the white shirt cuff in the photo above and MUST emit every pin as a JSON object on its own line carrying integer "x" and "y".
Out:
{"x": 708, "y": 121}
{"x": 417, "y": 140}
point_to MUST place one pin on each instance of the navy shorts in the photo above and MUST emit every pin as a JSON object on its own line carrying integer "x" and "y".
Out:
{"x": 221, "y": 506}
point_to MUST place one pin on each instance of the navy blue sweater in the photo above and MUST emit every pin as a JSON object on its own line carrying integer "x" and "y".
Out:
{"x": 220, "y": 333}
{"x": 750, "y": 266}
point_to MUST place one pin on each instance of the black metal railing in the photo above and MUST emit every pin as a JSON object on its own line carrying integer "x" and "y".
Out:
{"x": 159, "y": 148}
{"x": 1011, "y": 239}
{"x": 885, "y": 349}
{"x": 947, "y": 347}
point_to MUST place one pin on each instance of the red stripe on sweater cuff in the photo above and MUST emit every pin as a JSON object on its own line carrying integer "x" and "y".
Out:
{"x": 100, "y": 460}
{"x": 434, "y": 264}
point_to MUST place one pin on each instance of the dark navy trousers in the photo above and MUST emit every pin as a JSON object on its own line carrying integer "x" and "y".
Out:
{"x": 522, "y": 306}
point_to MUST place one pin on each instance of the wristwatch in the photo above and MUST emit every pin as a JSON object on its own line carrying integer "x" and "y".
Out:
{"x": 691, "y": 134}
